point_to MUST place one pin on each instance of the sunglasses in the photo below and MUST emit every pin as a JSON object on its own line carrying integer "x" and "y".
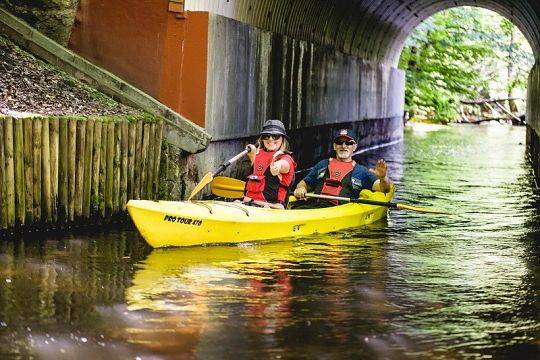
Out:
{"x": 346, "y": 142}
{"x": 268, "y": 136}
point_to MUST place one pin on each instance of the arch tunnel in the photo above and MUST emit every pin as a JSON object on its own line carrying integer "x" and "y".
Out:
{"x": 366, "y": 38}
{"x": 318, "y": 65}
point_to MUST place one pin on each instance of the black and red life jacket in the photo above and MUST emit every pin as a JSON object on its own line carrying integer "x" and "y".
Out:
{"x": 337, "y": 180}
{"x": 262, "y": 185}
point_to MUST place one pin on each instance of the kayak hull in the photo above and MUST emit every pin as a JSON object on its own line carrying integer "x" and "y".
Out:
{"x": 183, "y": 223}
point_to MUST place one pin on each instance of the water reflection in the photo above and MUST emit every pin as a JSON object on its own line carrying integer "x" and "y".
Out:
{"x": 416, "y": 286}
{"x": 50, "y": 289}
{"x": 253, "y": 296}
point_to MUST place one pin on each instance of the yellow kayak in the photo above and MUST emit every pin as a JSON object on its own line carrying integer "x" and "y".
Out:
{"x": 188, "y": 223}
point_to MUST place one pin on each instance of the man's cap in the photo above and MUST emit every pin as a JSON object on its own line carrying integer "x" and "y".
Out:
{"x": 274, "y": 127}
{"x": 344, "y": 133}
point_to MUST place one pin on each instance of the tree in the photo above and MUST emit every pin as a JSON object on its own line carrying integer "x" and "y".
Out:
{"x": 456, "y": 54}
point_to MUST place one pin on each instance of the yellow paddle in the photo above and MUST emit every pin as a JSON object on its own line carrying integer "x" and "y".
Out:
{"x": 207, "y": 179}
{"x": 227, "y": 187}
{"x": 234, "y": 189}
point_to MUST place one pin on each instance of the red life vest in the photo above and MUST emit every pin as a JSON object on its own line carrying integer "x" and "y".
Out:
{"x": 337, "y": 171}
{"x": 262, "y": 185}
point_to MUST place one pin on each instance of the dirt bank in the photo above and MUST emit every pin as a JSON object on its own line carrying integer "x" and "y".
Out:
{"x": 31, "y": 86}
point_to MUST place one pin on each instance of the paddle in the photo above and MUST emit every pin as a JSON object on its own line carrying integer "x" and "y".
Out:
{"x": 227, "y": 187}
{"x": 234, "y": 189}
{"x": 391, "y": 205}
{"x": 207, "y": 179}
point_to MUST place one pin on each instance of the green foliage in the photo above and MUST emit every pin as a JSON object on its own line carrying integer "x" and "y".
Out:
{"x": 457, "y": 54}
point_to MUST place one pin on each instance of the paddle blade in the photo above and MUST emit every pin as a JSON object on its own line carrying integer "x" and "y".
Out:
{"x": 228, "y": 182}
{"x": 228, "y": 187}
{"x": 419, "y": 209}
{"x": 207, "y": 179}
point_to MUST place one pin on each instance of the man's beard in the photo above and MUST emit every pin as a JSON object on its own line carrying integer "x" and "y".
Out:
{"x": 343, "y": 155}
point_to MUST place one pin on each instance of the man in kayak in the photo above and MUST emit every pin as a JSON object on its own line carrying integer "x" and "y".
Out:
{"x": 342, "y": 176}
{"x": 272, "y": 172}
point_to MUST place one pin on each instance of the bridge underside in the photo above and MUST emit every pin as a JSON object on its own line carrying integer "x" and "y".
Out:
{"x": 320, "y": 64}
{"x": 371, "y": 30}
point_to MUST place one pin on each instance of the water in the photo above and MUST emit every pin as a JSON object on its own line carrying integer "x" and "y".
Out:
{"x": 414, "y": 286}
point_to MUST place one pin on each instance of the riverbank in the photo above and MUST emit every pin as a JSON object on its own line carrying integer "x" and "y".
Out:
{"x": 429, "y": 127}
{"x": 424, "y": 126}
{"x": 30, "y": 87}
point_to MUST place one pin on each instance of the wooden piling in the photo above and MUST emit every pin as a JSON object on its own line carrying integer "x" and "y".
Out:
{"x": 28, "y": 170}
{"x": 150, "y": 162}
{"x": 36, "y": 160}
{"x": 131, "y": 159}
{"x": 10, "y": 171}
{"x": 117, "y": 167}
{"x": 138, "y": 162}
{"x": 79, "y": 177}
{"x": 96, "y": 159}
{"x": 109, "y": 185}
{"x": 103, "y": 168}
{"x": 3, "y": 188}
{"x": 72, "y": 156}
{"x": 63, "y": 174}
{"x": 46, "y": 206}
{"x": 57, "y": 169}
{"x": 79, "y": 184}
{"x": 87, "y": 183}
{"x": 157, "y": 158}
{"x": 20, "y": 195}
{"x": 144, "y": 160}
{"x": 54, "y": 140}
{"x": 124, "y": 164}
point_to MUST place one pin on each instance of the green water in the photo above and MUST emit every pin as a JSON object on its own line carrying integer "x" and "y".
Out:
{"x": 414, "y": 286}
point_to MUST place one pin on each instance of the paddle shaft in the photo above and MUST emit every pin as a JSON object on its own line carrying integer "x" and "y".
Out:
{"x": 360, "y": 201}
{"x": 391, "y": 205}
{"x": 226, "y": 164}
{"x": 234, "y": 189}
{"x": 207, "y": 179}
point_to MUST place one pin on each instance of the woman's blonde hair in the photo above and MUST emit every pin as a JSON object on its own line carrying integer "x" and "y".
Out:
{"x": 285, "y": 147}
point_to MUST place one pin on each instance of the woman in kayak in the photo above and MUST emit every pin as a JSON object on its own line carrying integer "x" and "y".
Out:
{"x": 272, "y": 171}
